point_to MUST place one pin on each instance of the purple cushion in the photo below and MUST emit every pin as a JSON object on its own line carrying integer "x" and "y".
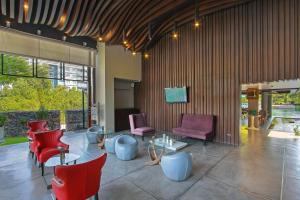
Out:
{"x": 144, "y": 130}
{"x": 197, "y": 122}
{"x": 139, "y": 120}
{"x": 191, "y": 133}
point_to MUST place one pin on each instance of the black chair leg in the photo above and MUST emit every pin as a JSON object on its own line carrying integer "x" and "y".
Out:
{"x": 96, "y": 196}
{"x": 42, "y": 166}
{"x": 204, "y": 142}
{"x": 142, "y": 138}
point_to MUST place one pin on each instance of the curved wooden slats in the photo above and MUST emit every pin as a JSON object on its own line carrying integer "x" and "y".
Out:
{"x": 46, "y": 10}
{"x": 109, "y": 18}
{"x": 81, "y": 18}
{"x": 61, "y": 18}
{"x": 21, "y": 11}
{"x": 63, "y": 26}
{"x": 29, "y": 11}
{"x": 54, "y": 8}
{"x": 74, "y": 18}
{"x": 3, "y": 7}
{"x": 38, "y": 12}
{"x": 87, "y": 21}
{"x": 12, "y": 9}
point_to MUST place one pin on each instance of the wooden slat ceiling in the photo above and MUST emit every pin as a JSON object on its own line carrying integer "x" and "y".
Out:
{"x": 112, "y": 19}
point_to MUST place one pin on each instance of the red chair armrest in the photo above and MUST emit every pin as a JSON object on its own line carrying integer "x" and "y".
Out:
{"x": 57, "y": 182}
{"x": 61, "y": 144}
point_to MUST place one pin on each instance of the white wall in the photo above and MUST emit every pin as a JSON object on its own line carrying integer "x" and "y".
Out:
{"x": 124, "y": 94}
{"x": 113, "y": 62}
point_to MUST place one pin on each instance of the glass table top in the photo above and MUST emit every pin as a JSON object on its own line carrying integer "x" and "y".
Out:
{"x": 55, "y": 160}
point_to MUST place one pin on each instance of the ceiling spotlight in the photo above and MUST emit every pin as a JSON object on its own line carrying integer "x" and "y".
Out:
{"x": 175, "y": 35}
{"x": 146, "y": 55}
{"x": 197, "y": 23}
{"x": 8, "y": 23}
{"x": 26, "y": 6}
{"x": 125, "y": 42}
{"x": 84, "y": 44}
{"x": 64, "y": 38}
{"x": 100, "y": 39}
{"x": 39, "y": 32}
{"x": 62, "y": 19}
{"x": 133, "y": 50}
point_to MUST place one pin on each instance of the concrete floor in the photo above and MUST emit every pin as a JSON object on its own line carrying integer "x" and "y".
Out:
{"x": 261, "y": 168}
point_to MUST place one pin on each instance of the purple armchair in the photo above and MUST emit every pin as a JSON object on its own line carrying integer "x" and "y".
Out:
{"x": 196, "y": 126}
{"x": 138, "y": 125}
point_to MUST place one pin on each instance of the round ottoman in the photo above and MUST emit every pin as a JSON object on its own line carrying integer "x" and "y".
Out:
{"x": 177, "y": 166}
{"x": 126, "y": 147}
{"x": 93, "y": 134}
{"x": 110, "y": 144}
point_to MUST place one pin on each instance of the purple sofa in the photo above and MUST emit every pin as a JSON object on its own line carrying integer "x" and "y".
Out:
{"x": 138, "y": 125}
{"x": 196, "y": 126}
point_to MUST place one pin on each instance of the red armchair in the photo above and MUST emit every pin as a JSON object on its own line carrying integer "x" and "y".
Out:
{"x": 78, "y": 182}
{"x": 47, "y": 144}
{"x": 34, "y": 127}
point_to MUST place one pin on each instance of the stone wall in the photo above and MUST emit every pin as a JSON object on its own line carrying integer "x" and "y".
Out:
{"x": 15, "y": 124}
{"x": 74, "y": 120}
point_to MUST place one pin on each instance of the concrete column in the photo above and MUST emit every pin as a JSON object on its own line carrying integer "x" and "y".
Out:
{"x": 267, "y": 103}
{"x": 113, "y": 62}
{"x": 100, "y": 84}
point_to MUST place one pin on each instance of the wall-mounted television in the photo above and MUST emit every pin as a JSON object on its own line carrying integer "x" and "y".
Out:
{"x": 176, "y": 95}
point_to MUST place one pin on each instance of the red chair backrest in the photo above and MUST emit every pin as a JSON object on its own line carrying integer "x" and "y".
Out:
{"x": 80, "y": 181}
{"x": 48, "y": 138}
{"x": 39, "y": 125}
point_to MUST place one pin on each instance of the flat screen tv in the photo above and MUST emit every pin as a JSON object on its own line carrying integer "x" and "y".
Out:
{"x": 176, "y": 95}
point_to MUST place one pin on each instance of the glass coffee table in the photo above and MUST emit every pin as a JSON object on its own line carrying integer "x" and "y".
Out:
{"x": 55, "y": 160}
{"x": 163, "y": 142}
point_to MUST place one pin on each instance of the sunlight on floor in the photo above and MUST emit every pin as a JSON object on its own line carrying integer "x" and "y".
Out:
{"x": 284, "y": 135}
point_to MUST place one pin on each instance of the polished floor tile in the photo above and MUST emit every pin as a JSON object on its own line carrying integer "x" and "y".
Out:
{"x": 260, "y": 168}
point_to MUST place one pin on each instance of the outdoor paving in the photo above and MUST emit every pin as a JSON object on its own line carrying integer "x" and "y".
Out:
{"x": 260, "y": 168}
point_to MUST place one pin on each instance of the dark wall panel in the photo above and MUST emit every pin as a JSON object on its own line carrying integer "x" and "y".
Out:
{"x": 255, "y": 42}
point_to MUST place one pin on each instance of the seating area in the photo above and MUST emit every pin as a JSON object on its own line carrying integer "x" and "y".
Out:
{"x": 154, "y": 100}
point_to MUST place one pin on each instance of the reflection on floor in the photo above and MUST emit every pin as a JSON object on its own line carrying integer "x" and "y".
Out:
{"x": 261, "y": 168}
{"x": 284, "y": 128}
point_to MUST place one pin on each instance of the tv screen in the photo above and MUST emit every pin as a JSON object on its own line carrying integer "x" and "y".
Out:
{"x": 176, "y": 95}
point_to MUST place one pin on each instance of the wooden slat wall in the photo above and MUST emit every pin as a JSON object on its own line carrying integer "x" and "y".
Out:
{"x": 254, "y": 42}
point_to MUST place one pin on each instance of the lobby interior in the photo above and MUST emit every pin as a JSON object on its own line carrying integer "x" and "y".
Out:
{"x": 160, "y": 80}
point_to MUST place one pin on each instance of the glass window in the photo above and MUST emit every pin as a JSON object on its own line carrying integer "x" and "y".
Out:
{"x": 15, "y": 65}
{"x": 75, "y": 72}
{"x": 49, "y": 69}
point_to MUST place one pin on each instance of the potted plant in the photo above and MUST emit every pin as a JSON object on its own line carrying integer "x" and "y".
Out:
{"x": 2, "y": 122}
{"x": 297, "y": 131}
{"x": 42, "y": 113}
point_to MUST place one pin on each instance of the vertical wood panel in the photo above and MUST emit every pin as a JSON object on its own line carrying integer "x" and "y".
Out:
{"x": 254, "y": 42}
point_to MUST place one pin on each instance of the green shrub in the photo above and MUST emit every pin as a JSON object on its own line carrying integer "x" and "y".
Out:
{"x": 2, "y": 120}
